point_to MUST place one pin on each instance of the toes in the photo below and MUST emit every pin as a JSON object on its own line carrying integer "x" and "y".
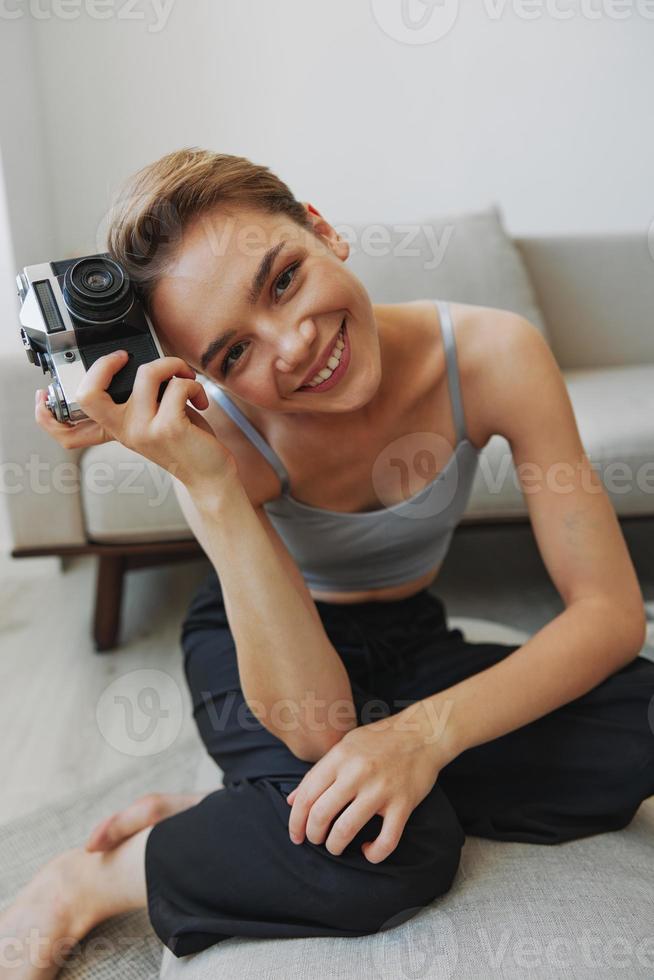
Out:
{"x": 100, "y": 837}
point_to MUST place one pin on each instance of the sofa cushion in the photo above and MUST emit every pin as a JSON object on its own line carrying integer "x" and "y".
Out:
{"x": 466, "y": 257}
{"x": 126, "y": 497}
{"x": 614, "y": 408}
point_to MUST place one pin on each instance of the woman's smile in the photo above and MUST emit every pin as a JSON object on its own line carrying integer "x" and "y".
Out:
{"x": 335, "y": 367}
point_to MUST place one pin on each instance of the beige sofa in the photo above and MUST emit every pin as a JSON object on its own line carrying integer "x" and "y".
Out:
{"x": 592, "y": 297}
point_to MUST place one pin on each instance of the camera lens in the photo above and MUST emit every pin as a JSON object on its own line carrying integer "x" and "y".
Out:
{"x": 98, "y": 279}
{"x": 97, "y": 289}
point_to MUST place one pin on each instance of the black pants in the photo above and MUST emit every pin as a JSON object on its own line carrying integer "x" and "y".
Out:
{"x": 227, "y": 867}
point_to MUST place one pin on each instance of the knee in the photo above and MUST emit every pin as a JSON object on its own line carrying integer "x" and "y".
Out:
{"x": 422, "y": 867}
{"x": 383, "y": 899}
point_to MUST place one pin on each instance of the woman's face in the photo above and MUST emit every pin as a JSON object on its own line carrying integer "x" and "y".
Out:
{"x": 253, "y": 300}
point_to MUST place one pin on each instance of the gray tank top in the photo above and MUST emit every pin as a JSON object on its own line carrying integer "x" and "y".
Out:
{"x": 344, "y": 552}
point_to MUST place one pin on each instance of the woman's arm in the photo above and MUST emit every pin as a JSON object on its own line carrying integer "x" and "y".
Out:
{"x": 579, "y": 537}
{"x": 292, "y": 677}
{"x": 569, "y": 656}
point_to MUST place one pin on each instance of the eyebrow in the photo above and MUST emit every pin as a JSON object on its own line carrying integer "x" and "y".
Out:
{"x": 258, "y": 282}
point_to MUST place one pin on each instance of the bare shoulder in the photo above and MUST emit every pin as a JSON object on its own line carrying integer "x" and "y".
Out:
{"x": 257, "y": 475}
{"x": 490, "y": 342}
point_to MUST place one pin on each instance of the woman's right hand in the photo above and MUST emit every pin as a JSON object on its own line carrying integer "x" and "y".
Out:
{"x": 171, "y": 432}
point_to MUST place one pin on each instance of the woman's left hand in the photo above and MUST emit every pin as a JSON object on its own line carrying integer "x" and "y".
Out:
{"x": 384, "y": 767}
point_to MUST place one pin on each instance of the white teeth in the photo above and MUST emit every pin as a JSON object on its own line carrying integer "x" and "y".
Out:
{"x": 332, "y": 364}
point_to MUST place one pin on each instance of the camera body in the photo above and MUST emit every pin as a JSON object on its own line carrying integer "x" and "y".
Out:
{"x": 73, "y": 312}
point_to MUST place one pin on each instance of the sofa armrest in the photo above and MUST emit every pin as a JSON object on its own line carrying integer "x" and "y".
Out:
{"x": 40, "y": 479}
{"x": 597, "y": 295}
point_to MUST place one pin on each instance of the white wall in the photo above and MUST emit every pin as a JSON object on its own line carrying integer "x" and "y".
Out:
{"x": 7, "y": 319}
{"x": 26, "y": 231}
{"x": 550, "y": 117}
{"x": 23, "y": 138}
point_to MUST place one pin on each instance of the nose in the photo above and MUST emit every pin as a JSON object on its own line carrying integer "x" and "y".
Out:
{"x": 294, "y": 346}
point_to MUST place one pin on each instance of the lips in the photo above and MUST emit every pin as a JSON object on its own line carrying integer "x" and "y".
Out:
{"x": 322, "y": 360}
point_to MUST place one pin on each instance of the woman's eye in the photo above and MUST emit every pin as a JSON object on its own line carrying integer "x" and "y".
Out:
{"x": 291, "y": 269}
{"x": 226, "y": 365}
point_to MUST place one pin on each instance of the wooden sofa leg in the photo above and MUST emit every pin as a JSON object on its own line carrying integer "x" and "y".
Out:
{"x": 108, "y": 600}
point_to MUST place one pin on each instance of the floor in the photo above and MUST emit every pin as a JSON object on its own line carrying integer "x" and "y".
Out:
{"x": 72, "y": 716}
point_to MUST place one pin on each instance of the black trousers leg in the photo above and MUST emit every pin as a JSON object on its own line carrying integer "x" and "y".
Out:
{"x": 582, "y": 769}
{"x": 227, "y": 867}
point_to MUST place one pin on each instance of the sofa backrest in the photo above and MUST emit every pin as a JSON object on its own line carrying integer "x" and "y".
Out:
{"x": 591, "y": 295}
{"x": 596, "y": 293}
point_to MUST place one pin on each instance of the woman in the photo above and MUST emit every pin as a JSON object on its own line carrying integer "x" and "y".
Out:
{"x": 323, "y": 466}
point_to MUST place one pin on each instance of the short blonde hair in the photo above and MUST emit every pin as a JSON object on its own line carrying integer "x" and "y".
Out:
{"x": 157, "y": 203}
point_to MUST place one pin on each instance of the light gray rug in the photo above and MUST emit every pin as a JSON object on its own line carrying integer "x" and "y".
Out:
{"x": 124, "y": 947}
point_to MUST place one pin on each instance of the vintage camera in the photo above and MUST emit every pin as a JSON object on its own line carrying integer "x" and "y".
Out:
{"x": 75, "y": 311}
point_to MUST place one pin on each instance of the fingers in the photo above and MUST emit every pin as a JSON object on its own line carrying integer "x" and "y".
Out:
{"x": 149, "y": 378}
{"x": 94, "y": 399}
{"x": 321, "y": 815}
{"x": 395, "y": 819}
{"x": 177, "y": 393}
{"x": 350, "y": 822}
{"x": 44, "y": 416}
{"x": 69, "y": 435}
{"x": 92, "y": 395}
{"x": 313, "y": 784}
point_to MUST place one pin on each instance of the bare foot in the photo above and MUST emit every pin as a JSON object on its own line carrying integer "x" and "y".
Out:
{"x": 144, "y": 812}
{"x": 40, "y": 930}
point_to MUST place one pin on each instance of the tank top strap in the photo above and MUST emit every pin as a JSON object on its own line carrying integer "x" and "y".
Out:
{"x": 252, "y": 434}
{"x": 454, "y": 383}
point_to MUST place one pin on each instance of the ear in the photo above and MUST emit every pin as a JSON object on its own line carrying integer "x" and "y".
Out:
{"x": 339, "y": 246}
